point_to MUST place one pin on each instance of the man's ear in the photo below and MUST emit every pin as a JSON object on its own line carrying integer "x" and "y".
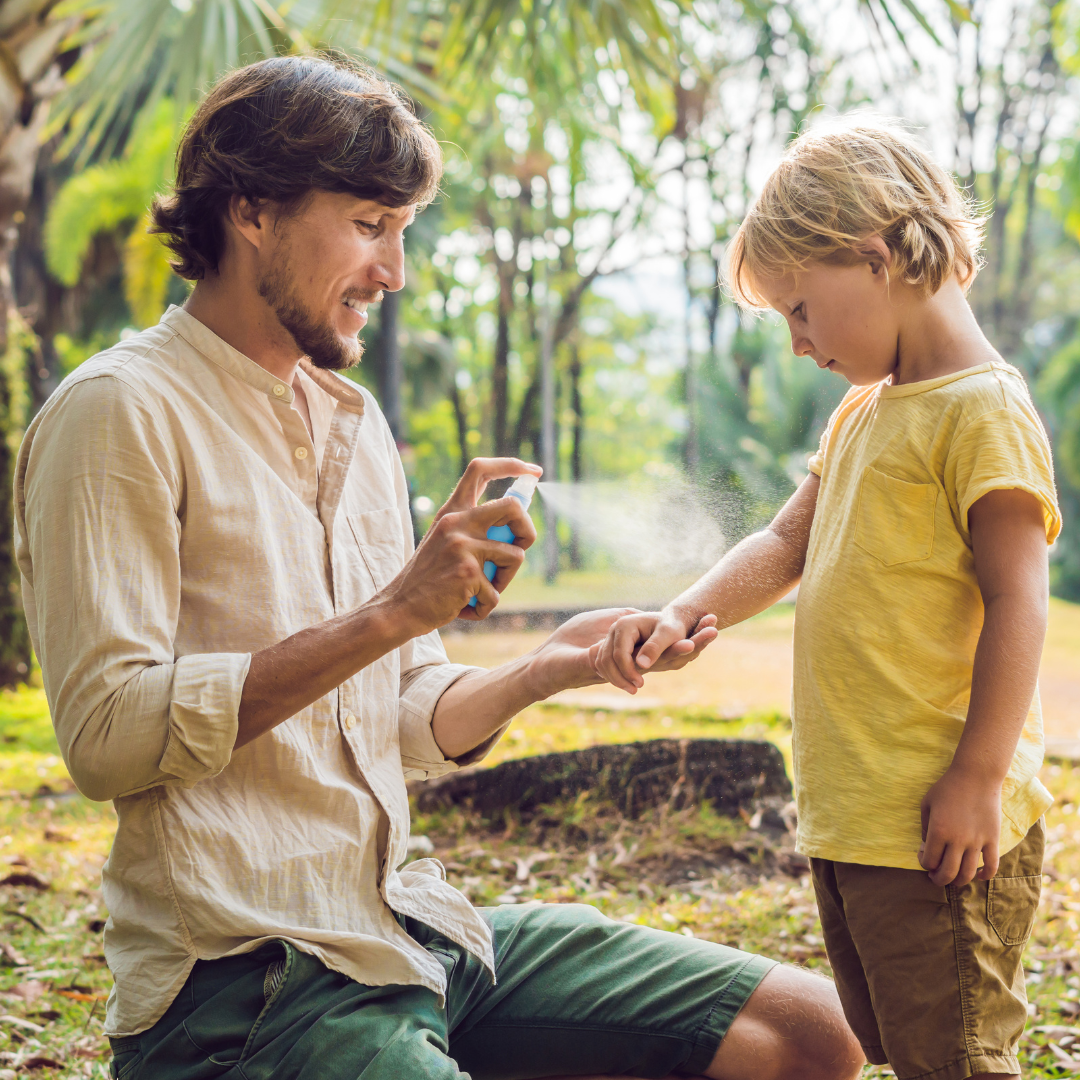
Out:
{"x": 877, "y": 255}
{"x": 251, "y": 220}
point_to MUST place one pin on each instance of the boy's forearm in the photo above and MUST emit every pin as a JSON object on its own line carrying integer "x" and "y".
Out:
{"x": 752, "y": 576}
{"x": 759, "y": 570}
{"x": 1004, "y": 677}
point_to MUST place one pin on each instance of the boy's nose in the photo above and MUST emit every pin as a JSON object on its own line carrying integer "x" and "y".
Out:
{"x": 801, "y": 346}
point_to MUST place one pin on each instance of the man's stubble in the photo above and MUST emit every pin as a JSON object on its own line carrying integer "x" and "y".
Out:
{"x": 316, "y": 339}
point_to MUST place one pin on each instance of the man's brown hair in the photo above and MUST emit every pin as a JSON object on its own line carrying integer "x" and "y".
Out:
{"x": 277, "y": 130}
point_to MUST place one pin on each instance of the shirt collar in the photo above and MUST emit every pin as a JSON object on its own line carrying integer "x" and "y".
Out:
{"x": 201, "y": 338}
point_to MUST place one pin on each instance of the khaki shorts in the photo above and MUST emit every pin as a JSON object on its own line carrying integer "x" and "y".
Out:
{"x": 931, "y": 978}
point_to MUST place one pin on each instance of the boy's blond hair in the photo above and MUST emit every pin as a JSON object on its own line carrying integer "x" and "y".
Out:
{"x": 843, "y": 182}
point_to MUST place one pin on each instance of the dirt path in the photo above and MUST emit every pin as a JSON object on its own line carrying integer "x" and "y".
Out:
{"x": 749, "y": 669}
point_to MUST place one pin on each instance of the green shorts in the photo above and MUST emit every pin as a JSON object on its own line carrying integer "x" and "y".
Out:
{"x": 576, "y": 993}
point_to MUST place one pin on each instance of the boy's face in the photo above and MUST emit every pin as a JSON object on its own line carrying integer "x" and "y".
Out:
{"x": 841, "y": 317}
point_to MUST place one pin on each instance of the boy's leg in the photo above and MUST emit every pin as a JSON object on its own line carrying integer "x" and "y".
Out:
{"x": 940, "y": 968}
{"x": 580, "y": 995}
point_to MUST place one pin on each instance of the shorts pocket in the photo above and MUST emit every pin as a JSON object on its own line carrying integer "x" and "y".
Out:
{"x": 1011, "y": 904}
{"x": 895, "y": 523}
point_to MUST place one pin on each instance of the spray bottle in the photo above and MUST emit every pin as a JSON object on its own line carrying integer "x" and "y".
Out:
{"x": 521, "y": 489}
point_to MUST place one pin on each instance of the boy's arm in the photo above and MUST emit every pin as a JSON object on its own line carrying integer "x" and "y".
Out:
{"x": 961, "y": 813}
{"x": 751, "y": 576}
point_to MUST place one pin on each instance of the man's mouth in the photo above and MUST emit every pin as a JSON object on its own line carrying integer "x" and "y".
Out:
{"x": 357, "y": 305}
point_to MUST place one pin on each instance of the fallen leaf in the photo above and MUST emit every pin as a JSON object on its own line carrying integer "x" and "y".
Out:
{"x": 40, "y": 1062}
{"x": 9, "y": 957}
{"x": 55, "y": 836}
{"x": 29, "y": 879}
{"x": 18, "y": 1022}
{"x": 29, "y": 991}
{"x": 76, "y": 995}
{"x": 95, "y": 926}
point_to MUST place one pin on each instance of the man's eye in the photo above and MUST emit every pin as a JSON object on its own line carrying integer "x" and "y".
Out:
{"x": 371, "y": 225}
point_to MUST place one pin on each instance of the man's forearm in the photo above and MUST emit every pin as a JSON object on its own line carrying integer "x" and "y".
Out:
{"x": 475, "y": 707}
{"x": 1004, "y": 677}
{"x": 287, "y": 677}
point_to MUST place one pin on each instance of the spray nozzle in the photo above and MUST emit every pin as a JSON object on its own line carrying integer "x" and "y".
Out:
{"x": 523, "y": 489}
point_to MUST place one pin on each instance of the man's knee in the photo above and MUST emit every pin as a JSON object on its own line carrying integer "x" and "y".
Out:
{"x": 792, "y": 1028}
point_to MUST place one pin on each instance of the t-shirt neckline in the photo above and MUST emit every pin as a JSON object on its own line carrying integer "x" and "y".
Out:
{"x": 886, "y": 390}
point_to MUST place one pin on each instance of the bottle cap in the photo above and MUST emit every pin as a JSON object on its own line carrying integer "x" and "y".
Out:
{"x": 523, "y": 488}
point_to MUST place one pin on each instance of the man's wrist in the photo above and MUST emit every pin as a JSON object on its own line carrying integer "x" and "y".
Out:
{"x": 388, "y": 621}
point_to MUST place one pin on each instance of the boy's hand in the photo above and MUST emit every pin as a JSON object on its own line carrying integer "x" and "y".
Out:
{"x": 653, "y": 641}
{"x": 961, "y": 820}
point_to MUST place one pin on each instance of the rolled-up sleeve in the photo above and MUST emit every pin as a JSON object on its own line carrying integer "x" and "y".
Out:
{"x": 426, "y": 674}
{"x": 98, "y": 496}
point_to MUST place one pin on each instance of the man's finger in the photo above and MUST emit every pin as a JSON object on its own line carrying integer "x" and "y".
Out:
{"x": 478, "y": 474}
{"x": 487, "y": 599}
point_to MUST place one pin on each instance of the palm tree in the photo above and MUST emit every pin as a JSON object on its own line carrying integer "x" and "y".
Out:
{"x": 101, "y": 66}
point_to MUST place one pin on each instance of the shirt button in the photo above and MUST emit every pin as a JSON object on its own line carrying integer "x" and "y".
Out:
{"x": 350, "y": 721}
{"x": 279, "y": 390}
{"x": 300, "y": 453}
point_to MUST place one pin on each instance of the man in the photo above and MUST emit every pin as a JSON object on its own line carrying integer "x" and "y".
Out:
{"x": 241, "y": 650}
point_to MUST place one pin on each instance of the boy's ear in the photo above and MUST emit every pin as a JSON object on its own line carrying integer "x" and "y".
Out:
{"x": 876, "y": 253}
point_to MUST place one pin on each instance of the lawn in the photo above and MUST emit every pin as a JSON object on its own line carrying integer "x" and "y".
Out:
{"x": 692, "y": 872}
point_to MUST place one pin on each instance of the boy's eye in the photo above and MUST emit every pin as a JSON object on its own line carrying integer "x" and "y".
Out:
{"x": 800, "y": 310}
{"x": 372, "y": 226}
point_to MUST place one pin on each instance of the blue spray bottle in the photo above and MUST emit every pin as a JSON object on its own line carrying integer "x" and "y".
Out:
{"x": 521, "y": 489}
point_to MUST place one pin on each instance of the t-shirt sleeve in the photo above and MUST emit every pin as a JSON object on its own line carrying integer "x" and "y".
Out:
{"x": 999, "y": 450}
{"x": 816, "y": 461}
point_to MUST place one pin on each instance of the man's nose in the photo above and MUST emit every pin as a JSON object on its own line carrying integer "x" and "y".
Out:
{"x": 390, "y": 271}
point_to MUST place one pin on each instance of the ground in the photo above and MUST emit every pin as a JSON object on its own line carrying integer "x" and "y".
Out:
{"x": 693, "y": 872}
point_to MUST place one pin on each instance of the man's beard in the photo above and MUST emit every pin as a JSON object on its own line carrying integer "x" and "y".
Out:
{"x": 319, "y": 341}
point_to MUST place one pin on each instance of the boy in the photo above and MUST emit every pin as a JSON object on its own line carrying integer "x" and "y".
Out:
{"x": 920, "y": 543}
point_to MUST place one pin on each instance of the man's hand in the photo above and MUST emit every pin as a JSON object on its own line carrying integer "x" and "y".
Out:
{"x": 653, "y": 641}
{"x": 472, "y": 709}
{"x": 961, "y": 820}
{"x": 447, "y": 569}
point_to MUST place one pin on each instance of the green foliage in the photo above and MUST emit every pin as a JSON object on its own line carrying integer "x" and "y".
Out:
{"x": 112, "y": 197}
{"x": 762, "y": 411}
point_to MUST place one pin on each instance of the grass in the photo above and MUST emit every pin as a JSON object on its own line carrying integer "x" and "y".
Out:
{"x": 693, "y": 872}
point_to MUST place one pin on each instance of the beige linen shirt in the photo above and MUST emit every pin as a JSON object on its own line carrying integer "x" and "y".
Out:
{"x": 173, "y": 517}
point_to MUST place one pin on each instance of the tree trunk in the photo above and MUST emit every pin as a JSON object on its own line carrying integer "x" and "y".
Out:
{"x": 731, "y": 774}
{"x": 462, "y": 421}
{"x": 390, "y": 367}
{"x": 28, "y": 79}
{"x": 577, "y": 408}
{"x": 500, "y": 371}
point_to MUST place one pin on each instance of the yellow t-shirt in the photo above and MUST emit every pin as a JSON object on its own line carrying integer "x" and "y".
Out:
{"x": 889, "y": 609}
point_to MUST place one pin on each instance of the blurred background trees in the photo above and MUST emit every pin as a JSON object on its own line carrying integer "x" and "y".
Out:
{"x": 561, "y": 301}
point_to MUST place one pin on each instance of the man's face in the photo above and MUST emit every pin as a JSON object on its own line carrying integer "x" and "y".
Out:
{"x": 325, "y": 264}
{"x": 841, "y": 317}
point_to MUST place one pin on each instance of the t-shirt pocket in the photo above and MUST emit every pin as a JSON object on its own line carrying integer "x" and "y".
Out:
{"x": 896, "y": 518}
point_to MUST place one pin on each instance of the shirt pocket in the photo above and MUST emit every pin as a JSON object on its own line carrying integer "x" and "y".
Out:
{"x": 378, "y": 535}
{"x": 896, "y": 518}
